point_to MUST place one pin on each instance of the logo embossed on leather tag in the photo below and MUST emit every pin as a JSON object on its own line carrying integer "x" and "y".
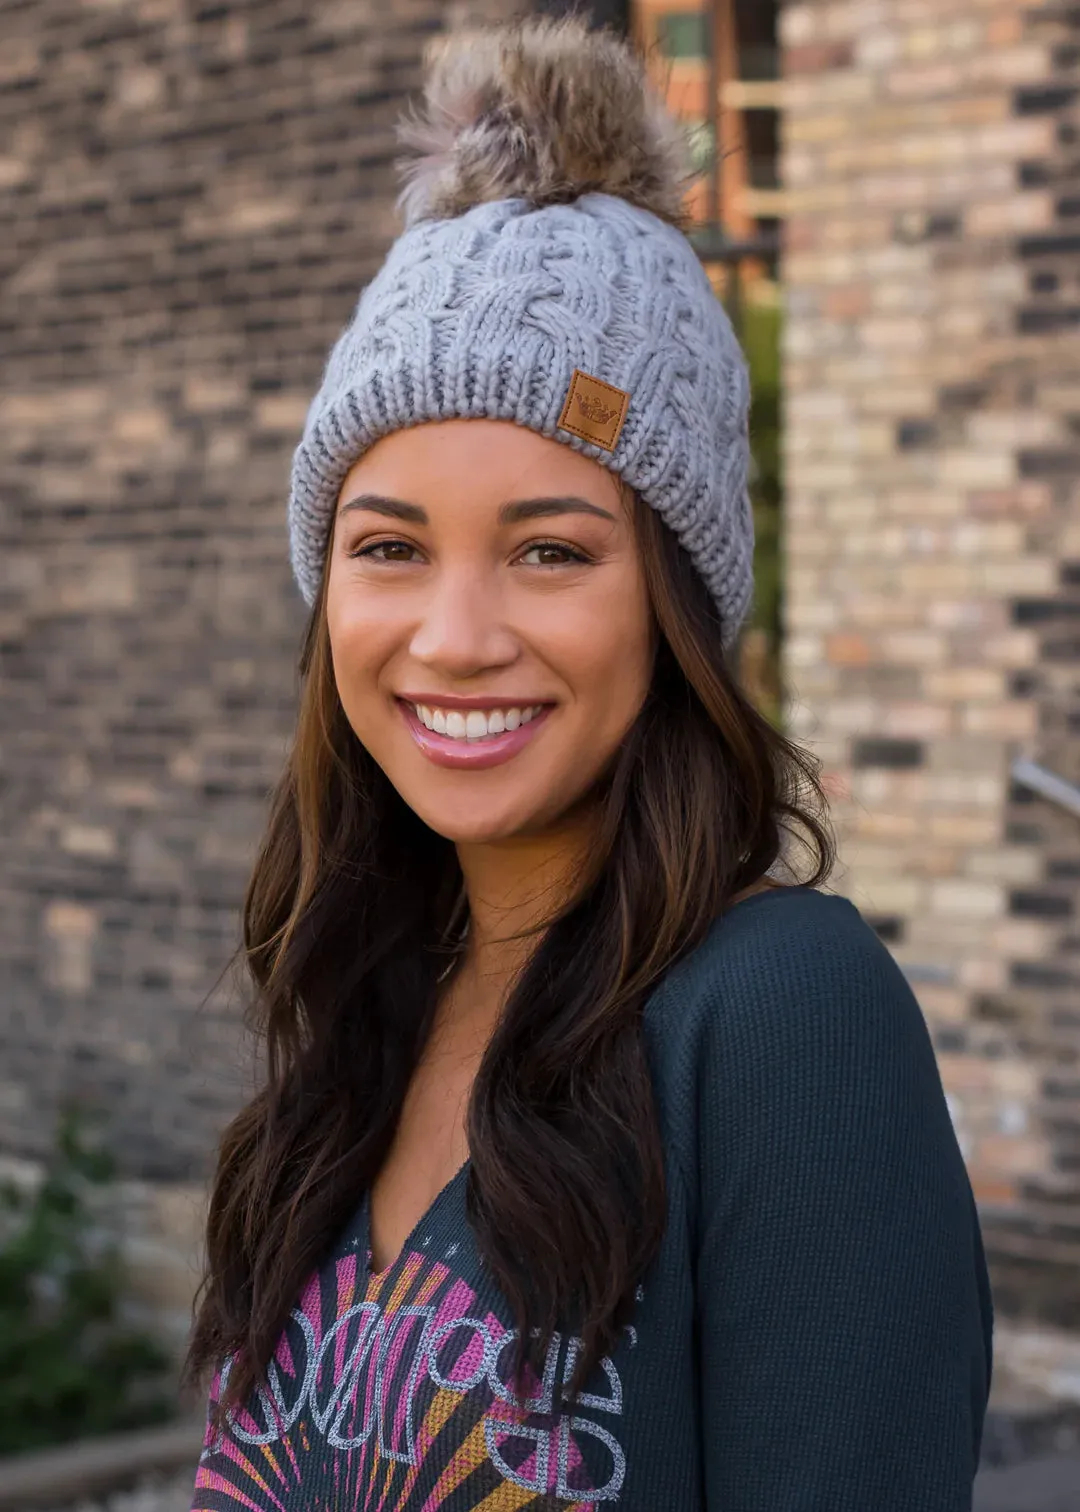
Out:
{"x": 594, "y": 410}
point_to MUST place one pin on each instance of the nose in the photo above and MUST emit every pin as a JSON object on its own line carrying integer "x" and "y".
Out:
{"x": 463, "y": 631}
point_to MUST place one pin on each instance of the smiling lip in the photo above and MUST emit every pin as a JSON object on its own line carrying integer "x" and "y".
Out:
{"x": 470, "y": 755}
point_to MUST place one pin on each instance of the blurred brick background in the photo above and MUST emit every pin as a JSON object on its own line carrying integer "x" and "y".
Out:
{"x": 932, "y": 166}
{"x": 191, "y": 198}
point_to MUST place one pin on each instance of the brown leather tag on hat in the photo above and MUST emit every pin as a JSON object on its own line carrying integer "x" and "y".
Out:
{"x": 594, "y": 410}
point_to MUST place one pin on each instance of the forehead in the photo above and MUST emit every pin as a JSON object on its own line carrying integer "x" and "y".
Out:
{"x": 476, "y": 462}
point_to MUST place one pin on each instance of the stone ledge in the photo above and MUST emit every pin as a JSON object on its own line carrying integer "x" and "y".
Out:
{"x": 52, "y": 1476}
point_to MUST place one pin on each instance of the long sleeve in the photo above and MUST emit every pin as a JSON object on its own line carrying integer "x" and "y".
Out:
{"x": 843, "y": 1306}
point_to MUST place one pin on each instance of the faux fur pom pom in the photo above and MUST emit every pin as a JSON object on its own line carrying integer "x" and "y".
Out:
{"x": 542, "y": 110}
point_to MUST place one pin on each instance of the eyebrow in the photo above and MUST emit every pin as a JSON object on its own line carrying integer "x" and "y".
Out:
{"x": 512, "y": 513}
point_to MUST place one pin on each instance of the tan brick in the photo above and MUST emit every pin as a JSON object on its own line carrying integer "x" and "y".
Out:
{"x": 966, "y": 1073}
{"x": 146, "y": 426}
{"x": 1010, "y": 865}
{"x": 919, "y": 647}
{"x": 924, "y": 80}
{"x": 965, "y": 684}
{"x": 964, "y": 899}
{"x": 946, "y": 1005}
{"x": 889, "y": 894}
{"x": 1005, "y": 29}
{"x": 282, "y": 412}
{"x": 88, "y": 840}
{"x": 1013, "y": 648}
{"x": 1020, "y": 575}
{"x": 1023, "y": 939}
{"x": 1030, "y": 212}
{"x": 918, "y": 721}
{"x": 1011, "y": 1156}
{"x": 799, "y": 24}
{"x": 977, "y": 469}
{"x": 212, "y": 393}
{"x": 997, "y": 428}
{"x": 963, "y": 829}
{"x": 1029, "y": 64}
{"x": 848, "y": 650}
{"x": 70, "y": 931}
{"x": 982, "y": 974}
{"x": 991, "y": 1189}
{"x": 1009, "y": 721}
{"x": 880, "y": 824}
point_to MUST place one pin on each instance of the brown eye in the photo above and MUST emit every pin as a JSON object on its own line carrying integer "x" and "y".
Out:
{"x": 552, "y": 554}
{"x": 387, "y": 551}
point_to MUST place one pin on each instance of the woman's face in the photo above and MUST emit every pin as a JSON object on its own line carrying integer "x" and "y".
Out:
{"x": 489, "y": 625}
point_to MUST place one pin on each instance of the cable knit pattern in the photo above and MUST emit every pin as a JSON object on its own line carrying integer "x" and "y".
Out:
{"x": 489, "y": 313}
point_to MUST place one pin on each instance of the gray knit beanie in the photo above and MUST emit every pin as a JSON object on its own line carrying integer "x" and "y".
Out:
{"x": 543, "y": 278}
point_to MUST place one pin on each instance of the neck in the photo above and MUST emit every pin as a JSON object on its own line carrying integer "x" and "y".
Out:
{"x": 514, "y": 887}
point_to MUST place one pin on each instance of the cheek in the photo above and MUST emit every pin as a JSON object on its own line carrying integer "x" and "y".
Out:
{"x": 361, "y": 642}
{"x": 606, "y": 654}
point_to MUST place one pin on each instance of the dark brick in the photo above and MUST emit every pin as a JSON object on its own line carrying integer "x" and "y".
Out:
{"x": 1044, "y": 611}
{"x": 1050, "y": 244}
{"x": 1061, "y": 648}
{"x": 889, "y": 928}
{"x": 1040, "y": 905}
{"x": 958, "y": 397}
{"x": 887, "y": 753}
{"x": 911, "y": 434}
{"x": 990, "y": 1009}
{"x": 1044, "y": 98}
{"x": 1030, "y": 974}
{"x": 1048, "y": 462}
{"x": 1035, "y": 322}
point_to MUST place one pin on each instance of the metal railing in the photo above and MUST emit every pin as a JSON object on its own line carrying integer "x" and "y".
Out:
{"x": 1048, "y": 785}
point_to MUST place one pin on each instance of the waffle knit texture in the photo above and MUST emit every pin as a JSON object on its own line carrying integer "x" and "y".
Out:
{"x": 488, "y": 314}
{"x": 814, "y": 1335}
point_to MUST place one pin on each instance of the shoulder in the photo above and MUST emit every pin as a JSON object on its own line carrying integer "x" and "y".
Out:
{"x": 791, "y": 951}
{"x": 790, "y": 995}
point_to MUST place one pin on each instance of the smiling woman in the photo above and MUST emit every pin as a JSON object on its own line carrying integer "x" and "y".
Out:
{"x": 601, "y": 1156}
{"x": 532, "y": 651}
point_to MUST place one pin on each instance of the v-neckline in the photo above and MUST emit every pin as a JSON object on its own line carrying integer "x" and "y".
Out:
{"x": 409, "y": 1242}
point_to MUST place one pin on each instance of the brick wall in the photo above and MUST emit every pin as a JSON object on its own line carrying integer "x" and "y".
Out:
{"x": 932, "y": 157}
{"x": 191, "y": 197}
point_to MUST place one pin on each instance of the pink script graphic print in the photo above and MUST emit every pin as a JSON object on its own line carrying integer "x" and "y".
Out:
{"x": 395, "y": 1398}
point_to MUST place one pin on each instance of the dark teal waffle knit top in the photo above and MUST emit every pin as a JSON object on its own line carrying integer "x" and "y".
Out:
{"x": 814, "y": 1334}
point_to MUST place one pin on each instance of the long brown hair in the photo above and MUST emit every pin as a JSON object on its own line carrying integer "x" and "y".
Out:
{"x": 350, "y": 899}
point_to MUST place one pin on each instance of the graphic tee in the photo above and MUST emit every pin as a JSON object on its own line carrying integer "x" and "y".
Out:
{"x": 813, "y": 1336}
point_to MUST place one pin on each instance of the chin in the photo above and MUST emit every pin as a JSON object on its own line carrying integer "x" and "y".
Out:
{"x": 481, "y": 829}
{"x": 484, "y": 824}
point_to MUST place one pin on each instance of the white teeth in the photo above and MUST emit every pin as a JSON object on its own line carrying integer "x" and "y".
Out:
{"x": 474, "y": 724}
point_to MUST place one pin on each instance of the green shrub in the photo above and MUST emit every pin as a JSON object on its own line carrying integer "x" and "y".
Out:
{"x": 70, "y": 1366}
